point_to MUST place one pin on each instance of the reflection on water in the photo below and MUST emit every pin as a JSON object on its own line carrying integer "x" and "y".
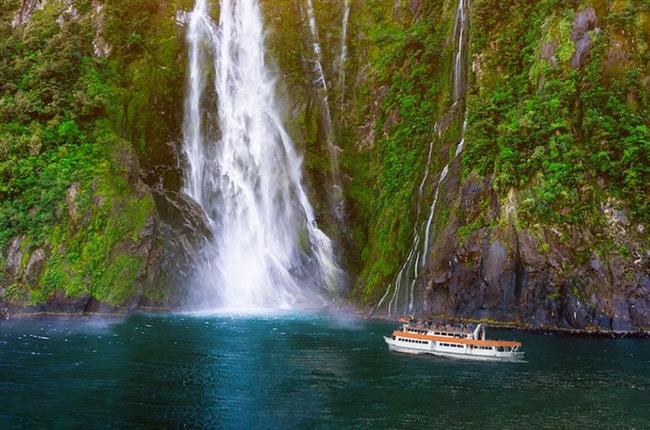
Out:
{"x": 303, "y": 372}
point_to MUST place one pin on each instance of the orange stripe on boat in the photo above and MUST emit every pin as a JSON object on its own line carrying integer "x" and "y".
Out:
{"x": 473, "y": 342}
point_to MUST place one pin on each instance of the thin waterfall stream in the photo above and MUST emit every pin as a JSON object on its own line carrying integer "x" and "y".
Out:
{"x": 243, "y": 169}
{"x": 336, "y": 197}
{"x": 343, "y": 49}
{"x": 404, "y": 284}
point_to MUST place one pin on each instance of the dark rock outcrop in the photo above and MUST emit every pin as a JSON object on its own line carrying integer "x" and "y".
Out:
{"x": 534, "y": 277}
{"x": 183, "y": 231}
{"x": 14, "y": 257}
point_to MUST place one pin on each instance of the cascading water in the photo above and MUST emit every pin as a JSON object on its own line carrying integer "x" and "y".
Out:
{"x": 417, "y": 256}
{"x": 459, "y": 82}
{"x": 461, "y": 36}
{"x": 343, "y": 50}
{"x": 322, "y": 92}
{"x": 243, "y": 170}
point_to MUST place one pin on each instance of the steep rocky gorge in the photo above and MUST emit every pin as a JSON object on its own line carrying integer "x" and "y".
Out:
{"x": 540, "y": 220}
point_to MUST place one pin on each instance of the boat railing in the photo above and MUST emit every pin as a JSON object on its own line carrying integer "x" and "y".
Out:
{"x": 447, "y": 328}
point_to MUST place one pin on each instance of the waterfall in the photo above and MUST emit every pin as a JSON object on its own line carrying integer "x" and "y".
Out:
{"x": 417, "y": 256}
{"x": 343, "y": 49}
{"x": 461, "y": 36}
{"x": 336, "y": 188}
{"x": 432, "y": 211}
{"x": 320, "y": 81}
{"x": 243, "y": 170}
{"x": 459, "y": 84}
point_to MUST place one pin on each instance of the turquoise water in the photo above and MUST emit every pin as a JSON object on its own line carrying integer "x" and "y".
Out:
{"x": 304, "y": 372}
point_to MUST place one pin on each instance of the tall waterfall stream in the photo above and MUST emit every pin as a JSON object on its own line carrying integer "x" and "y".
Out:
{"x": 404, "y": 286}
{"x": 336, "y": 197}
{"x": 243, "y": 169}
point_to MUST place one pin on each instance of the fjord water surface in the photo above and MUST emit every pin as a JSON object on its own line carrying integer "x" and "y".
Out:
{"x": 281, "y": 372}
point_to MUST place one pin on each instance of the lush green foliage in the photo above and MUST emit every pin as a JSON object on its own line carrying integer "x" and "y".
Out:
{"x": 91, "y": 254}
{"x": 568, "y": 138}
{"x": 49, "y": 90}
{"x": 410, "y": 64}
{"x": 565, "y": 140}
{"x": 65, "y": 171}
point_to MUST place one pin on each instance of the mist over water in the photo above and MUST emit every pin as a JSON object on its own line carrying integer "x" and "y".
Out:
{"x": 243, "y": 169}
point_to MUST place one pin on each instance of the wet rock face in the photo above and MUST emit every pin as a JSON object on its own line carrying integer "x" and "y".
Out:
{"x": 639, "y": 303}
{"x": 548, "y": 52}
{"x": 14, "y": 257}
{"x": 182, "y": 213}
{"x": 27, "y": 8}
{"x": 35, "y": 266}
{"x": 584, "y": 22}
{"x": 532, "y": 277}
{"x": 21, "y": 268}
{"x": 101, "y": 47}
{"x": 183, "y": 230}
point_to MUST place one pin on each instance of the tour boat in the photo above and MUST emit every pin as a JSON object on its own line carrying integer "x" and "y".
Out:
{"x": 451, "y": 341}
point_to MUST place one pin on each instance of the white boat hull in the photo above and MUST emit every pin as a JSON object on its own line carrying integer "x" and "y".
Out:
{"x": 432, "y": 348}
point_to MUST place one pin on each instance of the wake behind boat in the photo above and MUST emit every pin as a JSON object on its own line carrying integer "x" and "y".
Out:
{"x": 451, "y": 341}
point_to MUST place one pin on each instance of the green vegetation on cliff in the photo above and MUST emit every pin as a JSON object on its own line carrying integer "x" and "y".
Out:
{"x": 71, "y": 196}
{"x": 566, "y": 124}
{"x": 557, "y": 112}
{"x": 91, "y": 103}
{"x": 408, "y": 65}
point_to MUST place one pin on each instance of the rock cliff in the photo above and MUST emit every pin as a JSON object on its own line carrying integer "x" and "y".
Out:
{"x": 493, "y": 158}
